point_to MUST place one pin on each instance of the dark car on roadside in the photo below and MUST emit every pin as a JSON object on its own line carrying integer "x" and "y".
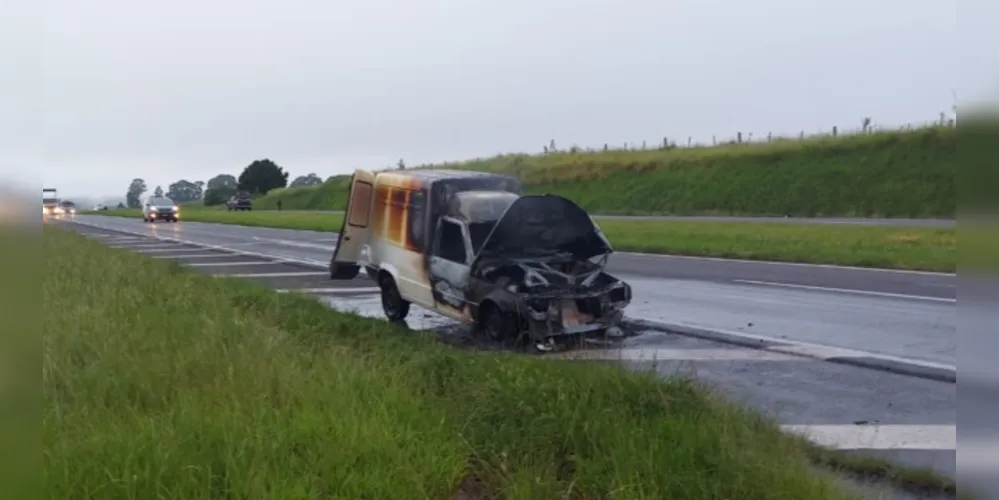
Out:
{"x": 241, "y": 201}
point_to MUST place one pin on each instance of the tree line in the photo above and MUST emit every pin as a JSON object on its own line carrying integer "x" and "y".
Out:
{"x": 258, "y": 178}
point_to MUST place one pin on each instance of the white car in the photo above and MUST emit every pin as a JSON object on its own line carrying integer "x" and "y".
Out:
{"x": 160, "y": 208}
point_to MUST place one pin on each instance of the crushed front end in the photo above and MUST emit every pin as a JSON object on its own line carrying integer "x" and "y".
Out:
{"x": 560, "y": 299}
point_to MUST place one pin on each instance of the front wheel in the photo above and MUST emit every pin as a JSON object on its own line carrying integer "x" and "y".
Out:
{"x": 393, "y": 305}
{"x": 497, "y": 324}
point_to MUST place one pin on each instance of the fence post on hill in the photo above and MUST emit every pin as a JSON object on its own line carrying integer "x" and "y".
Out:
{"x": 835, "y": 131}
{"x": 739, "y": 137}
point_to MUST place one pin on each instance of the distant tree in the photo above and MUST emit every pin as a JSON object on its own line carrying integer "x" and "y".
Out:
{"x": 219, "y": 189}
{"x": 306, "y": 180}
{"x": 122, "y": 205}
{"x": 201, "y": 188}
{"x": 401, "y": 165}
{"x": 222, "y": 181}
{"x": 133, "y": 197}
{"x": 262, "y": 176}
{"x": 184, "y": 191}
{"x": 218, "y": 196}
{"x": 158, "y": 191}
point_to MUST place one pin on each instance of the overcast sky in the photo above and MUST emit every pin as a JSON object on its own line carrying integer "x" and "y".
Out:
{"x": 108, "y": 90}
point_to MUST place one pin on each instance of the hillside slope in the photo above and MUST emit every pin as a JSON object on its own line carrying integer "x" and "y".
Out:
{"x": 885, "y": 174}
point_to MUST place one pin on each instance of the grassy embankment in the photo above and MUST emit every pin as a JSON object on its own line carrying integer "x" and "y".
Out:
{"x": 931, "y": 249}
{"x": 212, "y": 388}
{"x": 884, "y": 174}
{"x": 895, "y": 174}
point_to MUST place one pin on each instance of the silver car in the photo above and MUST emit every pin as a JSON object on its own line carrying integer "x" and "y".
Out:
{"x": 160, "y": 208}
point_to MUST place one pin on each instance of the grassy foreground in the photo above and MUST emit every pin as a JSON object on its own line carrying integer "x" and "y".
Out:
{"x": 884, "y": 174}
{"x": 202, "y": 388}
{"x": 917, "y": 248}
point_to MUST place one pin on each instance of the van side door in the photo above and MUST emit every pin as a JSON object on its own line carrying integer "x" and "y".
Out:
{"x": 450, "y": 259}
{"x": 356, "y": 228}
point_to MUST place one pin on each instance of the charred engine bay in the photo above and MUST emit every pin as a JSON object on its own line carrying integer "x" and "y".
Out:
{"x": 558, "y": 294}
{"x": 560, "y": 276}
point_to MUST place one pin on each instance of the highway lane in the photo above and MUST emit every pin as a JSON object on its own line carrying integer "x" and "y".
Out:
{"x": 849, "y": 221}
{"x": 912, "y": 315}
{"x": 906, "y": 419}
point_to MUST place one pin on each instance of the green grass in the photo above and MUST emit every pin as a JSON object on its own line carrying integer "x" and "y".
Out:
{"x": 157, "y": 381}
{"x": 916, "y": 248}
{"x": 884, "y": 174}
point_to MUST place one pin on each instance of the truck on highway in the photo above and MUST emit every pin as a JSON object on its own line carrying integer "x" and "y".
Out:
{"x": 50, "y": 202}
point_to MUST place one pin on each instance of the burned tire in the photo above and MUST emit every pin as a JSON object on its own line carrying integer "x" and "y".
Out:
{"x": 496, "y": 324}
{"x": 393, "y": 305}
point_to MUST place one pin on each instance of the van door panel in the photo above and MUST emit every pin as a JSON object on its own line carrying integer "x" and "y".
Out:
{"x": 356, "y": 228}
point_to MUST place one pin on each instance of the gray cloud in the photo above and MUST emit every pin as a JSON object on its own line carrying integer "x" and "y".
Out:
{"x": 164, "y": 90}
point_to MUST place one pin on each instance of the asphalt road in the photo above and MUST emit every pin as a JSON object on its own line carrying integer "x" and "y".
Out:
{"x": 898, "y": 313}
{"x": 850, "y": 221}
{"x": 906, "y": 419}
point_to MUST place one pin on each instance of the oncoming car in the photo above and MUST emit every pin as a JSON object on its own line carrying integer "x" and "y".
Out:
{"x": 160, "y": 208}
{"x": 469, "y": 246}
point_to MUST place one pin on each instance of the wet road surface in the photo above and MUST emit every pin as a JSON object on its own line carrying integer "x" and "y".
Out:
{"x": 909, "y": 420}
{"x": 905, "y": 314}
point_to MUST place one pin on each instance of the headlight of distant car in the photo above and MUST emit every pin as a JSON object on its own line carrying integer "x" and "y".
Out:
{"x": 152, "y": 209}
{"x": 176, "y": 208}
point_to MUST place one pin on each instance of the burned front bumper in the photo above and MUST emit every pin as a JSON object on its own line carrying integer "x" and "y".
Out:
{"x": 555, "y": 314}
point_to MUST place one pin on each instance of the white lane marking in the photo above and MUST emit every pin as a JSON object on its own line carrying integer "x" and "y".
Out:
{"x": 850, "y": 291}
{"x": 805, "y": 349}
{"x": 292, "y": 243}
{"x": 142, "y": 246}
{"x": 174, "y": 249}
{"x": 330, "y": 290}
{"x": 129, "y": 239}
{"x": 801, "y": 348}
{"x": 240, "y": 263}
{"x": 278, "y": 258}
{"x": 879, "y": 437}
{"x": 795, "y": 264}
{"x": 191, "y": 256}
{"x": 661, "y": 354}
{"x": 272, "y": 275}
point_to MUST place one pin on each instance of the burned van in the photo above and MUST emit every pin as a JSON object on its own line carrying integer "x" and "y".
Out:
{"x": 472, "y": 247}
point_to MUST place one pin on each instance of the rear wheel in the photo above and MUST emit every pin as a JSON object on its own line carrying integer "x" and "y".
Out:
{"x": 393, "y": 305}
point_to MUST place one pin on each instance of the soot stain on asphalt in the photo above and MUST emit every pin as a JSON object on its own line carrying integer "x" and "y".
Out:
{"x": 454, "y": 333}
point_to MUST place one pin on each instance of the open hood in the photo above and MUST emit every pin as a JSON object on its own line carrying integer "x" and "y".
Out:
{"x": 538, "y": 224}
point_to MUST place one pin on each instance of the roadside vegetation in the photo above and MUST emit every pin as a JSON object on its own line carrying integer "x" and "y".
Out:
{"x": 915, "y": 248}
{"x": 909, "y": 173}
{"x": 203, "y": 388}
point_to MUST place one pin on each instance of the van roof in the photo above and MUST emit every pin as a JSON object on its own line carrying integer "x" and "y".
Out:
{"x": 431, "y": 175}
{"x": 416, "y": 179}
